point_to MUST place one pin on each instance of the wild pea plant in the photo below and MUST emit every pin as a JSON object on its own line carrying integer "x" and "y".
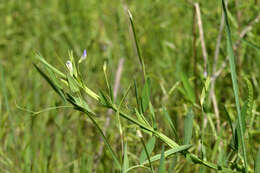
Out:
{"x": 70, "y": 87}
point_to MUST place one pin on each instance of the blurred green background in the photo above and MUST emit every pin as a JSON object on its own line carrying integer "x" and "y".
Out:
{"x": 64, "y": 141}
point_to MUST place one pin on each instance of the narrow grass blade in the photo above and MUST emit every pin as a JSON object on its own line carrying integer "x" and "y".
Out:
{"x": 251, "y": 44}
{"x": 146, "y": 94}
{"x": 188, "y": 125}
{"x": 162, "y": 164}
{"x": 234, "y": 142}
{"x": 146, "y": 153}
{"x": 126, "y": 161}
{"x": 149, "y": 147}
{"x": 234, "y": 81}
{"x": 169, "y": 120}
{"x": 153, "y": 115}
{"x": 136, "y": 43}
{"x": 137, "y": 97}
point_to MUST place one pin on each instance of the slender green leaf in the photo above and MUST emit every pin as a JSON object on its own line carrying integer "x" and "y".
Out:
{"x": 234, "y": 81}
{"x": 146, "y": 94}
{"x": 126, "y": 161}
{"x": 162, "y": 164}
{"x": 169, "y": 120}
{"x": 136, "y": 43}
{"x": 146, "y": 152}
{"x": 188, "y": 124}
{"x": 234, "y": 142}
{"x": 153, "y": 115}
{"x": 251, "y": 44}
{"x": 149, "y": 146}
{"x": 137, "y": 97}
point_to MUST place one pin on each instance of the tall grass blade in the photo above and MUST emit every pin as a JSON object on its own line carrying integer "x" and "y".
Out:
{"x": 136, "y": 44}
{"x": 234, "y": 81}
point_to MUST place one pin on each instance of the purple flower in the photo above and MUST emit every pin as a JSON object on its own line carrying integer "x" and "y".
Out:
{"x": 83, "y": 56}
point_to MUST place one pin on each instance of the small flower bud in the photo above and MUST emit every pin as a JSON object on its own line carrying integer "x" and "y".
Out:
{"x": 69, "y": 66}
{"x": 139, "y": 134}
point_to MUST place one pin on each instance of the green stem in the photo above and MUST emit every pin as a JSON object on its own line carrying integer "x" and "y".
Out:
{"x": 195, "y": 159}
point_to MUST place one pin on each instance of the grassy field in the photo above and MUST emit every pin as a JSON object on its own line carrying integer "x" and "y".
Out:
{"x": 187, "y": 75}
